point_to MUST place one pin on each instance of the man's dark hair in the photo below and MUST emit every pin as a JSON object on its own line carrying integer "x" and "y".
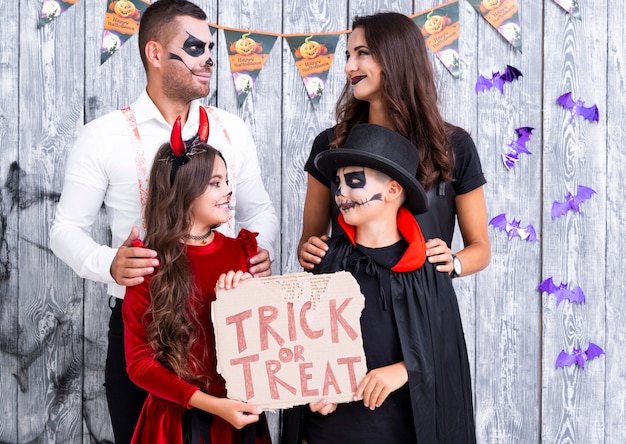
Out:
{"x": 158, "y": 19}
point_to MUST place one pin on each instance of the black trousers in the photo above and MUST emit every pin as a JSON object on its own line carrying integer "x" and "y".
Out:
{"x": 124, "y": 398}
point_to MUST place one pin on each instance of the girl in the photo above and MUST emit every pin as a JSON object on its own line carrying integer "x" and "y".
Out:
{"x": 169, "y": 340}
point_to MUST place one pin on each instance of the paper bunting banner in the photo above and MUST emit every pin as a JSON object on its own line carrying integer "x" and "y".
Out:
{"x": 247, "y": 53}
{"x": 570, "y": 6}
{"x": 440, "y": 28}
{"x": 314, "y": 55}
{"x": 502, "y": 15}
{"x": 51, "y": 9}
{"x": 121, "y": 21}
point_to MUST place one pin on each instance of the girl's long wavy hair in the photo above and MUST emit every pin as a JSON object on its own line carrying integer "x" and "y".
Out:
{"x": 170, "y": 320}
{"x": 409, "y": 93}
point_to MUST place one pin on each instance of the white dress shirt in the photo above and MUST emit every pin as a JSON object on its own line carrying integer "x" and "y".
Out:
{"x": 101, "y": 168}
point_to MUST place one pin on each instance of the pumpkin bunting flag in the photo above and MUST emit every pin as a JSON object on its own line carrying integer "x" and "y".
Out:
{"x": 503, "y": 16}
{"x": 314, "y": 54}
{"x": 121, "y": 21}
{"x": 51, "y": 9}
{"x": 571, "y": 6}
{"x": 247, "y": 53}
{"x": 440, "y": 28}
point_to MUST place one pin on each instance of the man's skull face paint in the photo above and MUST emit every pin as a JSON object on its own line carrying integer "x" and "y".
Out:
{"x": 195, "y": 48}
{"x": 357, "y": 188}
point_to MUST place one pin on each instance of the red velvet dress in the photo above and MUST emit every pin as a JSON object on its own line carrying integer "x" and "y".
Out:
{"x": 161, "y": 419}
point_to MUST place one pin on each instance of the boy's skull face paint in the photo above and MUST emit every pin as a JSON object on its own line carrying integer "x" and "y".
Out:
{"x": 355, "y": 179}
{"x": 356, "y": 187}
{"x": 194, "y": 47}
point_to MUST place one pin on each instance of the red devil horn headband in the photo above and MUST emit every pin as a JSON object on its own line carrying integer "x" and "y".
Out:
{"x": 176, "y": 139}
{"x": 203, "y": 127}
{"x": 182, "y": 151}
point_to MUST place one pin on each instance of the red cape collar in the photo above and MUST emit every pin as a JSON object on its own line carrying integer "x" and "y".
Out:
{"x": 415, "y": 255}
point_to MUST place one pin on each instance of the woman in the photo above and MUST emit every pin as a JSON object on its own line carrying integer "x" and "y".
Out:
{"x": 390, "y": 82}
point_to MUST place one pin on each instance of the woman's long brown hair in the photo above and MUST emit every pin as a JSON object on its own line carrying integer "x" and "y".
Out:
{"x": 170, "y": 318}
{"x": 408, "y": 90}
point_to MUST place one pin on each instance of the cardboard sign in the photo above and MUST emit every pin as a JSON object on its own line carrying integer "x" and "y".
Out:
{"x": 289, "y": 340}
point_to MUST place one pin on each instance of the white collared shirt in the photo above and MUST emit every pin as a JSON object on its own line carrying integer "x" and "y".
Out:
{"x": 101, "y": 168}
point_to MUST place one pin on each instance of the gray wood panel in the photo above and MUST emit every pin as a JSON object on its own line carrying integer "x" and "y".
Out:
{"x": 615, "y": 276}
{"x": 9, "y": 223}
{"x": 507, "y": 309}
{"x": 573, "y": 401}
{"x": 53, "y": 325}
{"x": 49, "y": 404}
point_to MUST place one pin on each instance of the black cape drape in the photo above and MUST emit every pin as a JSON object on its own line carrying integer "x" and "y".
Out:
{"x": 433, "y": 346}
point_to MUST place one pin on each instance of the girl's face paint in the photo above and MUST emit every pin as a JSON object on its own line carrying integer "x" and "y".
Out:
{"x": 213, "y": 206}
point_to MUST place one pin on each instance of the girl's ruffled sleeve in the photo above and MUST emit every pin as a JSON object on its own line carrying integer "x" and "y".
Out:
{"x": 249, "y": 243}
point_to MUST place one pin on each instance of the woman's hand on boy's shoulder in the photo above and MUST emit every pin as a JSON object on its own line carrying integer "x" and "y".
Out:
{"x": 312, "y": 251}
{"x": 231, "y": 279}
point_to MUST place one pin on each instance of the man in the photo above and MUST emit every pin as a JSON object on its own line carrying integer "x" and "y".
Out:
{"x": 110, "y": 162}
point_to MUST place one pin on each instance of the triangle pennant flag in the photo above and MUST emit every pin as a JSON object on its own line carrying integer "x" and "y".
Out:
{"x": 440, "y": 28}
{"x": 571, "y": 6}
{"x": 51, "y": 9}
{"x": 503, "y": 16}
{"x": 314, "y": 54}
{"x": 247, "y": 53}
{"x": 121, "y": 21}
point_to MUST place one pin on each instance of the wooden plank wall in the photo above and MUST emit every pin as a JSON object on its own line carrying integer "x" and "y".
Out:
{"x": 53, "y": 325}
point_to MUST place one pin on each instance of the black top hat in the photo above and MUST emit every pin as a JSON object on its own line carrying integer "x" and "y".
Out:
{"x": 381, "y": 149}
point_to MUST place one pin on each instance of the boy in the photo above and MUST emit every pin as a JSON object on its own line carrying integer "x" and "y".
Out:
{"x": 418, "y": 386}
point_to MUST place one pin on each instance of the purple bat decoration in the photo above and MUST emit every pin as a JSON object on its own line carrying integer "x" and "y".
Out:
{"x": 578, "y": 108}
{"x": 517, "y": 147}
{"x": 578, "y": 356}
{"x": 562, "y": 292}
{"x": 571, "y": 202}
{"x": 497, "y": 80}
{"x": 513, "y": 229}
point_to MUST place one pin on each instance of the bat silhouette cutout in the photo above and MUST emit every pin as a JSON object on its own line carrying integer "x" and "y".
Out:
{"x": 578, "y": 356}
{"x": 571, "y": 202}
{"x": 513, "y": 228}
{"x": 497, "y": 80}
{"x": 562, "y": 291}
{"x": 517, "y": 147}
{"x": 578, "y": 108}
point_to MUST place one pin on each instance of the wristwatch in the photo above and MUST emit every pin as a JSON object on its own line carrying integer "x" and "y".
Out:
{"x": 458, "y": 267}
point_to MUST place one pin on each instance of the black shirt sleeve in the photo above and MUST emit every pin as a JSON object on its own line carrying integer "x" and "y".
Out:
{"x": 320, "y": 144}
{"x": 467, "y": 171}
